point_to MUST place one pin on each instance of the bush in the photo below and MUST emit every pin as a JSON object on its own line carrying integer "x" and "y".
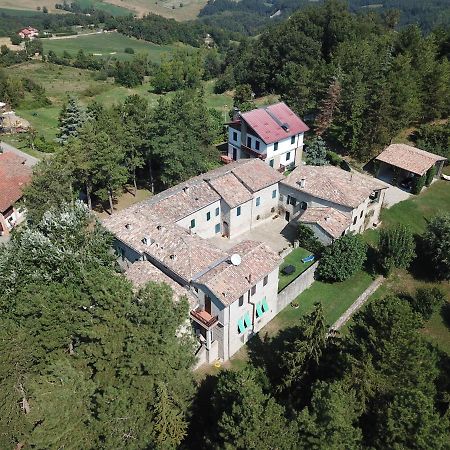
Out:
{"x": 342, "y": 259}
{"x": 129, "y": 50}
{"x": 44, "y": 146}
{"x": 426, "y": 301}
{"x": 309, "y": 241}
{"x": 333, "y": 158}
{"x": 396, "y": 248}
{"x": 436, "y": 246}
{"x": 15, "y": 39}
{"x": 431, "y": 173}
{"x": 418, "y": 184}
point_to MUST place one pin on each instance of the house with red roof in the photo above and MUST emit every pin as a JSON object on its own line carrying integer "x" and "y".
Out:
{"x": 272, "y": 133}
{"x": 14, "y": 176}
{"x": 28, "y": 33}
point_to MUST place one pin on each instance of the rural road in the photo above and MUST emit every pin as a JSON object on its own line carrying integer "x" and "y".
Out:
{"x": 74, "y": 36}
{"x": 357, "y": 304}
{"x": 30, "y": 160}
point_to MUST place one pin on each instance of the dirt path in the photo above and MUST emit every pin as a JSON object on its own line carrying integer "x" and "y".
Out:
{"x": 74, "y": 36}
{"x": 357, "y": 304}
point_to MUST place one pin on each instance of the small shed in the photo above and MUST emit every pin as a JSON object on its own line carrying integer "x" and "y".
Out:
{"x": 400, "y": 161}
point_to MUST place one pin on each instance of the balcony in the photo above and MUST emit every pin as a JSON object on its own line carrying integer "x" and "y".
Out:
{"x": 253, "y": 153}
{"x": 204, "y": 318}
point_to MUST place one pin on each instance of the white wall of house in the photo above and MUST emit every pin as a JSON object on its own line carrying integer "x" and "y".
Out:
{"x": 268, "y": 203}
{"x": 241, "y": 223}
{"x": 203, "y": 227}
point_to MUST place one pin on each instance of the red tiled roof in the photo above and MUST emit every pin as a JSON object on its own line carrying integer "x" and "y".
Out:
{"x": 267, "y": 122}
{"x": 14, "y": 175}
{"x": 409, "y": 158}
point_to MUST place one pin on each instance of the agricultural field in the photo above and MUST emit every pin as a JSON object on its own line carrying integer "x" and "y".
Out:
{"x": 173, "y": 9}
{"x": 107, "y": 45}
{"x": 22, "y": 7}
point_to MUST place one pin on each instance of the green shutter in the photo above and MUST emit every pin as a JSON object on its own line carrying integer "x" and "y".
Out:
{"x": 259, "y": 311}
{"x": 265, "y": 306}
{"x": 241, "y": 326}
{"x": 247, "y": 320}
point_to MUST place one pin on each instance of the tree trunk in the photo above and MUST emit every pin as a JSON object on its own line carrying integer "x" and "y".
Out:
{"x": 134, "y": 182}
{"x": 88, "y": 195}
{"x": 110, "y": 200}
{"x": 150, "y": 172}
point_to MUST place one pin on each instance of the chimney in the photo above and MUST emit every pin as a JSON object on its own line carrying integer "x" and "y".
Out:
{"x": 147, "y": 240}
{"x": 236, "y": 114}
{"x": 186, "y": 189}
{"x": 128, "y": 226}
{"x": 302, "y": 182}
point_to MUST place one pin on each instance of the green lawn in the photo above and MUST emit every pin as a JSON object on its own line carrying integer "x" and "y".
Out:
{"x": 294, "y": 258}
{"x": 335, "y": 299}
{"x": 114, "y": 10}
{"x": 416, "y": 210}
{"x": 109, "y": 45}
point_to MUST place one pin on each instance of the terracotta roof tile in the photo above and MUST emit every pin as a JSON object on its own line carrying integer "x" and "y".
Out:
{"x": 334, "y": 184}
{"x": 409, "y": 158}
{"x": 232, "y": 191}
{"x": 334, "y": 222}
{"x": 267, "y": 122}
{"x": 14, "y": 176}
{"x": 257, "y": 175}
{"x": 229, "y": 282}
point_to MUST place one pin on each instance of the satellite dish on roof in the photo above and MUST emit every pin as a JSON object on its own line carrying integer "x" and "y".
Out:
{"x": 235, "y": 259}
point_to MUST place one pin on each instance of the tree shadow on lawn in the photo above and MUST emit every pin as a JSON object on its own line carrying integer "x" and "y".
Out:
{"x": 420, "y": 267}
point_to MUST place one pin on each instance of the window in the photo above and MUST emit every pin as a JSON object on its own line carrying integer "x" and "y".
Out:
{"x": 238, "y": 211}
{"x": 355, "y": 219}
{"x": 362, "y": 212}
{"x": 257, "y": 144}
{"x": 241, "y": 300}
{"x": 291, "y": 200}
{"x": 249, "y": 141}
{"x": 261, "y": 307}
{"x": 258, "y": 201}
{"x": 217, "y": 211}
{"x": 193, "y": 223}
{"x": 288, "y": 156}
{"x": 275, "y": 146}
{"x": 234, "y": 136}
{"x": 208, "y": 215}
{"x": 253, "y": 291}
{"x": 266, "y": 279}
{"x": 292, "y": 140}
{"x": 244, "y": 322}
{"x": 217, "y": 228}
{"x": 303, "y": 205}
{"x": 271, "y": 162}
{"x": 274, "y": 193}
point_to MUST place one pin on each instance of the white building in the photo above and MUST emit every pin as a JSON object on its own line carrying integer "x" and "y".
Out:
{"x": 331, "y": 201}
{"x": 273, "y": 134}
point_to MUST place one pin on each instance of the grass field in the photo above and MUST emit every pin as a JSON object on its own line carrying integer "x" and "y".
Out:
{"x": 114, "y": 10}
{"x": 294, "y": 258}
{"x": 171, "y": 9}
{"x": 24, "y": 7}
{"x": 108, "y": 45}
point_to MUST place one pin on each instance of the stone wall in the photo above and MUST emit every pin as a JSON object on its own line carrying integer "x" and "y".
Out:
{"x": 294, "y": 289}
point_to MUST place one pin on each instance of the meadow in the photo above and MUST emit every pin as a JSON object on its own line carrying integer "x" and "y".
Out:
{"x": 59, "y": 81}
{"x": 108, "y": 45}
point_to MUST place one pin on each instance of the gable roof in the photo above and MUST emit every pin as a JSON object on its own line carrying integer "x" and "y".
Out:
{"x": 257, "y": 175}
{"x": 274, "y": 123}
{"x": 232, "y": 191}
{"x": 409, "y": 158}
{"x": 331, "y": 220}
{"x": 228, "y": 282}
{"x": 334, "y": 184}
{"x": 14, "y": 176}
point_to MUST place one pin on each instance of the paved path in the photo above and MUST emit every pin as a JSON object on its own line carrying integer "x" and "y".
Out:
{"x": 30, "y": 160}
{"x": 357, "y": 304}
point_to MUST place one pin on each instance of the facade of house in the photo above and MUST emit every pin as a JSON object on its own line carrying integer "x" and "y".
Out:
{"x": 14, "y": 176}
{"x": 273, "y": 134}
{"x": 400, "y": 162}
{"x": 331, "y": 201}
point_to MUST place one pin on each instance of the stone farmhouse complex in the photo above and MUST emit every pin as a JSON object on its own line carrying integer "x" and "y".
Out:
{"x": 273, "y": 134}
{"x": 14, "y": 176}
{"x": 172, "y": 237}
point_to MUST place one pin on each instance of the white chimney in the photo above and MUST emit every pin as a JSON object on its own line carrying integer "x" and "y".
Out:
{"x": 302, "y": 183}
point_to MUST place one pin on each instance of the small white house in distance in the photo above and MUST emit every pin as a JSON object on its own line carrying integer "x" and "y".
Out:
{"x": 272, "y": 133}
